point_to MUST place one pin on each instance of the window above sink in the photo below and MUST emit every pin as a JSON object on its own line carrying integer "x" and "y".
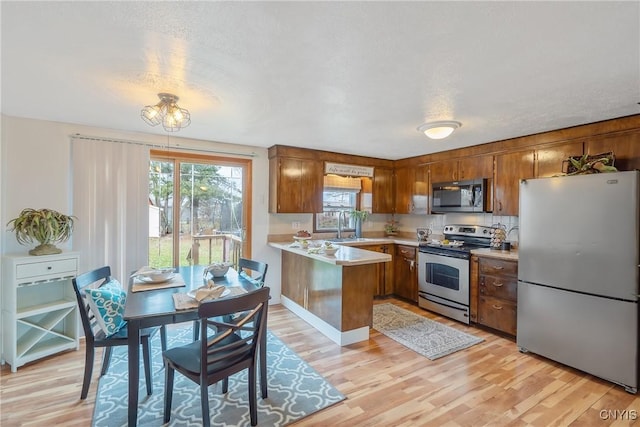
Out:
{"x": 341, "y": 194}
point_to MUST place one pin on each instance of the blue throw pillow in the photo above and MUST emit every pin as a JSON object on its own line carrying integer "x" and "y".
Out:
{"x": 255, "y": 282}
{"x": 107, "y": 304}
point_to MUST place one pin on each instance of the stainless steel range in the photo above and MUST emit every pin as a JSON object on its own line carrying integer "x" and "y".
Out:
{"x": 443, "y": 270}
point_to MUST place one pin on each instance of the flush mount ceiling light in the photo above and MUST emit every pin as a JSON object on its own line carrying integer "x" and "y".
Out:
{"x": 439, "y": 130}
{"x": 167, "y": 112}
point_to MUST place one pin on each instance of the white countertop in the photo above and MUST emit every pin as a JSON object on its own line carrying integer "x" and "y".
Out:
{"x": 493, "y": 253}
{"x": 379, "y": 241}
{"x": 345, "y": 256}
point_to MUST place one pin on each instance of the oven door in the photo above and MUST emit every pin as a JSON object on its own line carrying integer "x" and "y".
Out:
{"x": 444, "y": 276}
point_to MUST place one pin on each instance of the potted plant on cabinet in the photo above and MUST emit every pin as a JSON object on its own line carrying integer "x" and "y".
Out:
{"x": 45, "y": 226}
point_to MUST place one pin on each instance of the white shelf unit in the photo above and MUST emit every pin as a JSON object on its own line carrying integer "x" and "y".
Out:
{"x": 39, "y": 307}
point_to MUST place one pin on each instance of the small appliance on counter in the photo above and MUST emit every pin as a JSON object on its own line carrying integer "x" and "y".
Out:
{"x": 498, "y": 236}
{"x": 423, "y": 235}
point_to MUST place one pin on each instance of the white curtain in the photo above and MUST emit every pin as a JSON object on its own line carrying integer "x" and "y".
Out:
{"x": 111, "y": 202}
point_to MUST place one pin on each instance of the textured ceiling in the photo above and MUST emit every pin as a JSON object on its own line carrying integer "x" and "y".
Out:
{"x": 351, "y": 77}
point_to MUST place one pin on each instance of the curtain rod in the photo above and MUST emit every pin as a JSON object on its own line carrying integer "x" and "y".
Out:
{"x": 164, "y": 147}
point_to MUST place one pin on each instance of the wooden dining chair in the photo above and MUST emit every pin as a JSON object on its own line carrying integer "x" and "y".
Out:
{"x": 255, "y": 271}
{"x": 233, "y": 348}
{"x": 101, "y": 300}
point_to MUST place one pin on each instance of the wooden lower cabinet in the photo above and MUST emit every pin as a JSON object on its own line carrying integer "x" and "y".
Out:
{"x": 384, "y": 270}
{"x": 341, "y": 296}
{"x": 498, "y": 313}
{"x": 405, "y": 273}
{"x": 473, "y": 284}
{"x": 497, "y": 294}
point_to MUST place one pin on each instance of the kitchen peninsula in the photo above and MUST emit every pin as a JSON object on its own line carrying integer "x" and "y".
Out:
{"x": 332, "y": 293}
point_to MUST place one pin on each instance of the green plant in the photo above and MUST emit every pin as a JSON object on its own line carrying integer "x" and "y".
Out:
{"x": 391, "y": 226}
{"x": 361, "y": 215}
{"x": 587, "y": 164}
{"x": 44, "y": 226}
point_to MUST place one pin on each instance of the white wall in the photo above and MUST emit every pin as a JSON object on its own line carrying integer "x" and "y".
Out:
{"x": 35, "y": 172}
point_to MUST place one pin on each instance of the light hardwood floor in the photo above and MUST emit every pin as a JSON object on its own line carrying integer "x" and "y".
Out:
{"x": 385, "y": 384}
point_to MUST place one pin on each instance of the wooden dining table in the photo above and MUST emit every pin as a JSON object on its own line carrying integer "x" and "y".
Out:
{"x": 156, "y": 307}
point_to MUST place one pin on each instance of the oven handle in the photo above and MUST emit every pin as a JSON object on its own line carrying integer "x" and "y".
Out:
{"x": 441, "y": 303}
{"x": 459, "y": 255}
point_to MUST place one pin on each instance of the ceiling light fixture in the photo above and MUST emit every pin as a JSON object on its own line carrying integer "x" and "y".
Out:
{"x": 167, "y": 112}
{"x": 439, "y": 130}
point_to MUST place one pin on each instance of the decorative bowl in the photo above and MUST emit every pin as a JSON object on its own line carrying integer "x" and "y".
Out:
{"x": 158, "y": 275}
{"x": 330, "y": 250}
{"x": 218, "y": 269}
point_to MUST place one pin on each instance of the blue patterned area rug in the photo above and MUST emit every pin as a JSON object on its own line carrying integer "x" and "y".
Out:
{"x": 424, "y": 336}
{"x": 296, "y": 390}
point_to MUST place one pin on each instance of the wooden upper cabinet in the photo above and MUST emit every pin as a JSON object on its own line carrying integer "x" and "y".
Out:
{"x": 510, "y": 168}
{"x": 405, "y": 178}
{"x": 475, "y": 168}
{"x": 295, "y": 185}
{"x": 383, "y": 190}
{"x": 625, "y": 147}
{"x": 421, "y": 191}
{"x": 445, "y": 171}
{"x": 412, "y": 190}
{"x": 463, "y": 169}
{"x": 549, "y": 160}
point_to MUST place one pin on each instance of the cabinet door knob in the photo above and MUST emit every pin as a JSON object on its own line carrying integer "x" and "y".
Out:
{"x": 49, "y": 268}
{"x": 497, "y": 285}
{"x": 497, "y": 267}
{"x": 497, "y": 307}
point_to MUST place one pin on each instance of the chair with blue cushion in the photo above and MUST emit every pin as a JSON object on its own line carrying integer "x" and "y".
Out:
{"x": 258, "y": 270}
{"x": 102, "y": 299}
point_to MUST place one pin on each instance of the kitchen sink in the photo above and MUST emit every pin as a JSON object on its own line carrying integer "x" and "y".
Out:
{"x": 343, "y": 239}
{"x": 348, "y": 239}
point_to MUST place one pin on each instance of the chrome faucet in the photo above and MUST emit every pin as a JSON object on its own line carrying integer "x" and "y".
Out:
{"x": 340, "y": 223}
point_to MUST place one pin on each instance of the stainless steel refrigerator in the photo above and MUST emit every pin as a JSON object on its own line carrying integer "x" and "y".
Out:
{"x": 578, "y": 269}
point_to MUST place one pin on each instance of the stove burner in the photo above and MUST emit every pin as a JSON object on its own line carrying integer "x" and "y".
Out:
{"x": 471, "y": 236}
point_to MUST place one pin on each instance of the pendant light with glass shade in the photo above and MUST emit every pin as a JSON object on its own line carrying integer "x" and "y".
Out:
{"x": 439, "y": 129}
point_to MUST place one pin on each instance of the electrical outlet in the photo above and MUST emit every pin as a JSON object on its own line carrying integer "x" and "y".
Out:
{"x": 295, "y": 225}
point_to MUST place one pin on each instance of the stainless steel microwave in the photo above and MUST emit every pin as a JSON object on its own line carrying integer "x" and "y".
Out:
{"x": 460, "y": 196}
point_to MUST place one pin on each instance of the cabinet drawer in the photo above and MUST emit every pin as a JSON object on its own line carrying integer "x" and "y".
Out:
{"x": 498, "y": 314}
{"x": 406, "y": 252}
{"x": 499, "y": 286}
{"x": 43, "y": 270}
{"x": 498, "y": 267}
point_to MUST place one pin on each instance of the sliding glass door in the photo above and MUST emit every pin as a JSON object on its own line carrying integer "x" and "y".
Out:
{"x": 199, "y": 209}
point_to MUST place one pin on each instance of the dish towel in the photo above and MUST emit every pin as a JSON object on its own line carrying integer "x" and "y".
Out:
{"x": 176, "y": 282}
{"x": 183, "y": 301}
